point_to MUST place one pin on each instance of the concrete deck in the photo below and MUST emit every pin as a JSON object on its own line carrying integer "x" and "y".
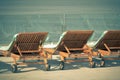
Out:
{"x": 73, "y": 71}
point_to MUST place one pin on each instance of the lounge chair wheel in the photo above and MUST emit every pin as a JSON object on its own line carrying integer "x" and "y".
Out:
{"x": 14, "y": 68}
{"x": 102, "y": 63}
{"x": 47, "y": 67}
{"x": 61, "y": 65}
{"x": 92, "y": 64}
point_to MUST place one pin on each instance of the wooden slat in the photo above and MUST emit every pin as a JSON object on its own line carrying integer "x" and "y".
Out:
{"x": 111, "y": 38}
{"x": 74, "y": 39}
{"x": 30, "y": 51}
{"x": 28, "y": 42}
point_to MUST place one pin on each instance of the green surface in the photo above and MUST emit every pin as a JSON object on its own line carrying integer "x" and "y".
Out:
{"x": 57, "y": 16}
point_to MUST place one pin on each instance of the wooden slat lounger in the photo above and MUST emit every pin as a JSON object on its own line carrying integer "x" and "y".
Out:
{"x": 107, "y": 45}
{"x": 28, "y": 46}
{"x": 71, "y": 45}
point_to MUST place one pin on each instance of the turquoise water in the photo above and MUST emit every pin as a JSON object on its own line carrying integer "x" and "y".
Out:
{"x": 57, "y": 16}
{"x": 56, "y": 24}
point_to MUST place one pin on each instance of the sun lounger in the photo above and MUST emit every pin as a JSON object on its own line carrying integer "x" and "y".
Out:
{"x": 107, "y": 45}
{"x": 28, "y": 46}
{"x": 71, "y": 45}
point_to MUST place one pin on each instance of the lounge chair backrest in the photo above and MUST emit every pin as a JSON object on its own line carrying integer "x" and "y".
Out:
{"x": 111, "y": 39}
{"x": 74, "y": 39}
{"x": 29, "y": 41}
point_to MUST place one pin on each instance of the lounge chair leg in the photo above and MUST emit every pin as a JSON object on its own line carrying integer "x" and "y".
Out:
{"x": 61, "y": 64}
{"x": 47, "y": 66}
{"x": 14, "y": 65}
{"x": 91, "y": 62}
{"x": 14, "y": 68}
{"x": 102, "y": 62}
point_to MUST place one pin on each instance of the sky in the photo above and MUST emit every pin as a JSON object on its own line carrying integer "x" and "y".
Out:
{"x": 12, "y": 7}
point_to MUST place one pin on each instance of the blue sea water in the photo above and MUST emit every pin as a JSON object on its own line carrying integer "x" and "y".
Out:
{"x": 56, "y": 24}
{"x": 57, "y": 16}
